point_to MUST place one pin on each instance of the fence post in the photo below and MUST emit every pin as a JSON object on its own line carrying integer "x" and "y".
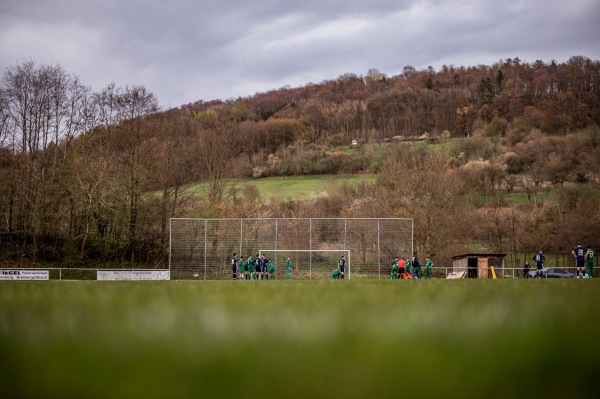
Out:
{"x": 378, "y": 254}
{"x": 310, "y": 247}
{"x": 241, "y": 235}
{"x": 345, "y": 234}
{"x": 205, "y": 238}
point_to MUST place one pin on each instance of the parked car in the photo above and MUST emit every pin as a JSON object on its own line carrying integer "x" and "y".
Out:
{"x": 551, "y": 272}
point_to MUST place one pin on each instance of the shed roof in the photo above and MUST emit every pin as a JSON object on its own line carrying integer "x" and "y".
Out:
{"x": 478, "y": 255}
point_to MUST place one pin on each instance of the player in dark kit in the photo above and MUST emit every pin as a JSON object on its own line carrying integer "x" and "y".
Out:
{"x": 526, "y": 269}
{"x": 539, "y": 258}
{"x": 342, "y": 266}
{"x": 579, "y": 253}
{"x": 257, "y": 267}
{"x": 265, "y": 267}
{"x": 417, "y": 268}
{"x": 246, "y": 266}
{"x": 234, "y": 266}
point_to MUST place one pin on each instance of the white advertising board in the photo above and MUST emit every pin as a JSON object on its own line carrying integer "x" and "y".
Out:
{"x": 137, "y": 275}
{"x": 24, "y": 275}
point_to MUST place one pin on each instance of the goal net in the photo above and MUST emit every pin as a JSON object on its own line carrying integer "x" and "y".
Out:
{"x": 203, "y": 248}
{"x": 307, "y": 264}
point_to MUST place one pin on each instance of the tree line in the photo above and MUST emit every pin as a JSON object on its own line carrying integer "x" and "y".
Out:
{"x": 95, "y": 176}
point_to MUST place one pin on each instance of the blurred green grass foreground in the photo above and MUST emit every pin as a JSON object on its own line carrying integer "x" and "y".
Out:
{"x": 300, "y": 339}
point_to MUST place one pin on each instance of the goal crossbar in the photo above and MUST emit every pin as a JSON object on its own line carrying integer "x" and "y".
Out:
{"x": 261, "y": 251}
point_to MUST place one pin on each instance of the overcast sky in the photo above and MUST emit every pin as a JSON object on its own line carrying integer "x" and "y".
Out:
{"x": 189, "y": 50}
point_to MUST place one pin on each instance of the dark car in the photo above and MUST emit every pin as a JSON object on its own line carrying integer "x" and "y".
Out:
{"x": 551, "y": 272}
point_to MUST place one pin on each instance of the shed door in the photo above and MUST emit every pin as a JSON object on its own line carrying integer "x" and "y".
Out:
{"x": 471, "y": 267}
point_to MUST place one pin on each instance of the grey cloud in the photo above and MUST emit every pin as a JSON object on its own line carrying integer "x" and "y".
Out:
{"x": 187, "y": 50}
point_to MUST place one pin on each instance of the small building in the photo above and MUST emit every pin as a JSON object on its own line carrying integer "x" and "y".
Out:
{"x": 479, "y": 265}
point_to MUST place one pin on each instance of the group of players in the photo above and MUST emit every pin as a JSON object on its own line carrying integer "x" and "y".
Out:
{"x": 258, "y": 268}
{"x": 405, "y": 269}
{"x": 263, "y": 268}
{"x": 584, "y": 262}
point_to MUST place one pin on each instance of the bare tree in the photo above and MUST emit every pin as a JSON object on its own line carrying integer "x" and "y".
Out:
{"x": 134, "y": 105}
{"x": 44, "y": 109}
{"x": 217, "y": 146}
{"x": 421, "y": 185}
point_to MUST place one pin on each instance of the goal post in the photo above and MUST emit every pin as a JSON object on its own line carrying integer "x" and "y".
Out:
{"x": 322, "y": 262}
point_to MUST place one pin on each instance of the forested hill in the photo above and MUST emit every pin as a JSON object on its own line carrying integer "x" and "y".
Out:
{"x": 81, "y": 170}
{"x": 554, "y": 97}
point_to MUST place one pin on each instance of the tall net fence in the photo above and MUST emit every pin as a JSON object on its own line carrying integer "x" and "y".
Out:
{"x": 203, "y": 248}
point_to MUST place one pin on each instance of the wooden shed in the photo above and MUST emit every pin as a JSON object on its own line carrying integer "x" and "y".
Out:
{"x": 479, "y": 265}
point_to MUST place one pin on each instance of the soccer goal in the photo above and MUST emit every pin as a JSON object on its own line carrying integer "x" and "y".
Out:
{"x": 307, "y": 264}
{"x": 203, "y": 248}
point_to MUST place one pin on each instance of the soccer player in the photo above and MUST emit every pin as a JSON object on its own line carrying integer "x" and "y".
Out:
{"x": 342, "y": 266}
{"x": 409, "y": 267}
{"x": 579, "y": 254}
{"x": 336, "y": 274}
{"x": 539, "y": 258}
{"x": 589, "y": 261}
{"x": 246, "y": 277}
{"x": 394, "y": 274}
{"x": 265, "y": 268}
{"x": 250, "y": 269}
{"x": 417, "y": 267}
{"x": 526, "y": 269}
{"x": 271, "y": 269}
{"x": 401, "y": 268}
{"x": 241, "y": 267}
{"x": 234, "y": 266}
{"x": 257, "y": 267}
{"x": 288, "y": 268}
{"x": 428, "y": 269}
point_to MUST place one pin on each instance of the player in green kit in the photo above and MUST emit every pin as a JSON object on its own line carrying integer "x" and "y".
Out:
{"x": 250, "y": 272}
{"x": 336, "y": 274}
{"x": 271, "y": 270}
{"x": 409, "y": 267}
{"x": 394, "y": 274}
{"x": 241, "y": 267}
{"x": 288, "y": 268}
{"x": 589, "y": 261}
{"x": 428, "y": 270}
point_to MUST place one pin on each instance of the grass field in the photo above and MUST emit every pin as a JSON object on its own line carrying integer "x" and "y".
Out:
{"x": 306, "y": 187}
{"x": 293, "y": 187}
{"x": 300, "y": 339}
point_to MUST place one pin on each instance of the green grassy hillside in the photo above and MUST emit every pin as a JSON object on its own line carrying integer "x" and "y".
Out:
{"x": 306, "y": 187}
{"x": 292, "y": 187}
